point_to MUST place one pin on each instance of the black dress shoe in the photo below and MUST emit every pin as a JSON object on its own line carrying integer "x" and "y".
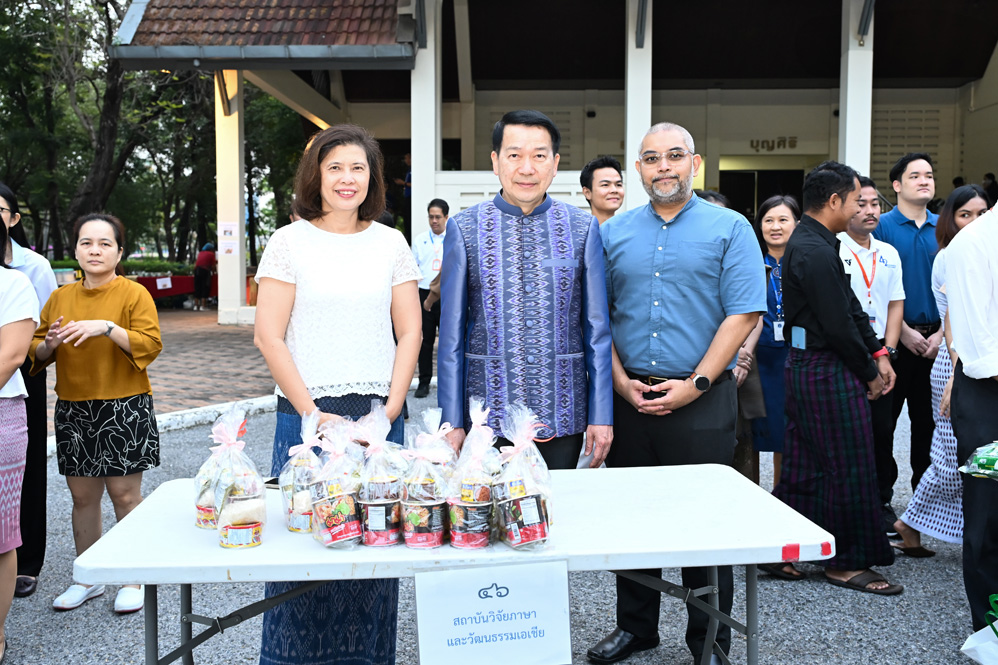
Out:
{"x": 422, "y": 391}
{"x": 24, "y": 586}
{"x": 618, "y": 645}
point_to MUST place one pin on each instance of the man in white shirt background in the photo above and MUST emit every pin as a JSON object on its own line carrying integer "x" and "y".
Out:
{"x": 874, "y": 269}
{"x": 429, "y": 250}
{"x": 603, "y": 186}
{"x": 972, "y": 292}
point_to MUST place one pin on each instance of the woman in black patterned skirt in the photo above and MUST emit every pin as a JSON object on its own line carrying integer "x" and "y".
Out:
{"x": 101, "y": 333}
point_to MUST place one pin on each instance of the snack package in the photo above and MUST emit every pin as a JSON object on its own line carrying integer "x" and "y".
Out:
{"x": 298, "y": 474}
{"x": 227, "y": 430}
{"x": 424, "y": 489}
{"x": 982, "y": 462}
{"x": 239, "y": 499}
{"x": 336, "y": 519}
{"x": 469, "y": 494}
{"x": 523, "y": 488}
{"x": 381, "y": 479}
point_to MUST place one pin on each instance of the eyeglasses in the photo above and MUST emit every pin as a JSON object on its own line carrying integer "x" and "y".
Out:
{"x": 671, "y": 156}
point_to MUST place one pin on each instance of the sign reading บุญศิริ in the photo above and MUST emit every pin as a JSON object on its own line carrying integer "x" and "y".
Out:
{"x": 516, "y": 613}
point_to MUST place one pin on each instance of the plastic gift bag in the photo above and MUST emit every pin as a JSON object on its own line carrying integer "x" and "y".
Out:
{"x": 240, "y": 504}
{"x": 424, "y": 491}
{"x": 469, "y": 494}
{"x": 227, "y": 430}
{"x": 298, "y": 474}
{"x": 381, "y": 479}
{"x": 982, "y": 462}
{"x": 523, "y": 489}
{"x": 336, "y": 519}
{"x": 982, "y": 646}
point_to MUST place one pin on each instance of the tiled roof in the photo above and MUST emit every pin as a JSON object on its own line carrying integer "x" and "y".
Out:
{"x": 267, "y": 23}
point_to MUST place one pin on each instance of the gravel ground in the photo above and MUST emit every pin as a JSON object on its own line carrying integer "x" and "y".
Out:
{"x": 804, "y": 623}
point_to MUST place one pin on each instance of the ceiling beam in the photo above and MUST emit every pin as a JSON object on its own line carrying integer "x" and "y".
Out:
{"x": 290, "y": 90}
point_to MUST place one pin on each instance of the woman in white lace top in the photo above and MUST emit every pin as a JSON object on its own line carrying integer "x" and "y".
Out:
{"x": 333, "y": 287}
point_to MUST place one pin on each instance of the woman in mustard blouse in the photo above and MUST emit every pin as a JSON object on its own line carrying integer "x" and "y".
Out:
{"x": 101, "y": 333}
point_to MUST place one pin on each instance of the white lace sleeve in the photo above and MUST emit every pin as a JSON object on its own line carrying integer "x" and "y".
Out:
{"x": 406, "y": 269}
{"x": 276, "y": 261}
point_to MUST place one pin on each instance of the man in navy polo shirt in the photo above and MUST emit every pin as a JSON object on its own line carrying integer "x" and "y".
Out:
{"x": 911, "y": 229}
{"x": 686, "y": 284}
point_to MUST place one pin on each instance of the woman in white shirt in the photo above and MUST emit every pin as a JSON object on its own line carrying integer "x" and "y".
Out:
{"x": 333, "y": 287}
{"x": 34, "y": 493}
{"x": 18, "y": 318}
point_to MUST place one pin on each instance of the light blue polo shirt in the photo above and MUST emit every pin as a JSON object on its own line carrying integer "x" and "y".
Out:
{"x": 671, "y": 284}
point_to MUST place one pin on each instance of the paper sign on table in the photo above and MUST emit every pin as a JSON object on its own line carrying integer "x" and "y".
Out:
{"x": 516, "y": 614}
{"x": 164, "y": 283}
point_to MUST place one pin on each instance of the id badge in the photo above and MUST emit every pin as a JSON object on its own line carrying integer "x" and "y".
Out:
{"x": 435, "y": 266}
{"x": 873, "y": 322}
{"x": 777, "y": 331}
{"x": 798, "y": 337}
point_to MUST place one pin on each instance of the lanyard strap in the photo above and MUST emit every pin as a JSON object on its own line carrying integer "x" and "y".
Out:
{"x": 776, "y": 279}
{"x": 873, "y": 273}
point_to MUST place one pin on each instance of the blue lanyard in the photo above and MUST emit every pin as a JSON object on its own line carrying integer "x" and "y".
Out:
{"x": 776, "y": 279}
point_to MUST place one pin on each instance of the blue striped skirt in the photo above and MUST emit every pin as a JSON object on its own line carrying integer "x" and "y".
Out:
{"x": 348, "y": 622}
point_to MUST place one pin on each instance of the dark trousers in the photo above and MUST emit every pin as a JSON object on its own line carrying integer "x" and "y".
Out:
{"x": 882, "y": 412}
{"x": 701, "y": 432}
{"x": 975, "y": 423}
{"x": 559, "y": 453}
{"x": 31, "y": 553}
{"x": 431, "y": 320}
{"x": 913, "y": 385}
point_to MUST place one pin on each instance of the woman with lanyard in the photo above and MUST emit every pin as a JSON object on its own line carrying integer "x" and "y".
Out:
{"x": 34, "y": 492}
{"x": 774, "y": 223}
{"x": 101, "y": 333}
{"x": 936, "y": 508}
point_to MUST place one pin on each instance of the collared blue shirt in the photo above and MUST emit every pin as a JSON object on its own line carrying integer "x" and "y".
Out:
{"x": 917, "y": 248}
{"x": 671, "y": 284}
{"x": 38, "y": 270}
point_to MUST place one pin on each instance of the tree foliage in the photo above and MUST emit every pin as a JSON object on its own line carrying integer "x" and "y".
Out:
{"x": 79, "y": 133}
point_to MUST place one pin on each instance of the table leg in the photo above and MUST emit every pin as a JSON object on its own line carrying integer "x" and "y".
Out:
{"x": 186, "y": 627}
{"x": 151, "y": 611}
{"x": 712, "y": 623}
{"x": 752, "y": 614}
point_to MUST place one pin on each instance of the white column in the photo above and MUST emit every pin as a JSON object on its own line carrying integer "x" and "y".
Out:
{"x": 637, "y": 101}
{"x": 230, "y": 188}
{"x": 425, "y": 119}
{"x": 855, "y": 90}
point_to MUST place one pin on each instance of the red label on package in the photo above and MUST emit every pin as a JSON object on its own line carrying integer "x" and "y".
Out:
{"x": 336, "y": 520}
{"x": 382, "y": 523}
{"x": 423, "y": 524}
{"x": 469, "y": 524}
{"x": 205, "y": 516}
{"x": 239, "y": 536}
{"x": 523, "y": 520}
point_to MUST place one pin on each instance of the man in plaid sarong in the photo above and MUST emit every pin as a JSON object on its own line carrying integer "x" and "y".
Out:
{"x": 836, "y": 366}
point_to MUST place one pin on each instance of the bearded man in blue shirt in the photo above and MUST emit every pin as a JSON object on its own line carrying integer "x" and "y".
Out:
{"x": 686, "y": 285}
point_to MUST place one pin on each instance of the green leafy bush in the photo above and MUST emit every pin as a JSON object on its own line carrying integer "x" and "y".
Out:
{"x": 138, "y": 267}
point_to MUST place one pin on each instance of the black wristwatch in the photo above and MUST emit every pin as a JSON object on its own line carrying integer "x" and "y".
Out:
{"x": 700, "y": 382}
{"x": 892, "y": 353}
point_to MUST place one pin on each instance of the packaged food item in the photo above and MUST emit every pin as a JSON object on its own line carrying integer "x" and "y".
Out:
{"x": 239, "y": 499}
{"x": 523, "y": 488}
{"x": 227, "y": 430}
{"x": 469, "y": 490}
{"x": 336, "y": 519}
{"x": 381, "y": 479}
{"x": 424, "y": 489}
{"x": 982, "y": 462}
{"x": 298, "y": 474}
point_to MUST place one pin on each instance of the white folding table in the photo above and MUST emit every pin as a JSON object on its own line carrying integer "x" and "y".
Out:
{"x": 603, "y": 519}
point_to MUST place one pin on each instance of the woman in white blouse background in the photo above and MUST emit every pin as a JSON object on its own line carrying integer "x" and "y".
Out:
{"x": 334, "y": 286}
